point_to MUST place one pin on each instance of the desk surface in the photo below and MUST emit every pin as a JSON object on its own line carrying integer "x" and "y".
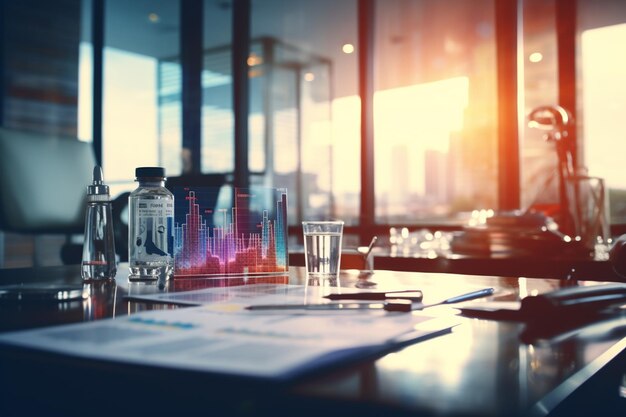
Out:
{"x": 480, "y": 264}
{"x": 482, "y": 368}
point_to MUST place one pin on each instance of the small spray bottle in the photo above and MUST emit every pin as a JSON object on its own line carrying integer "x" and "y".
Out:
{"x": 99, "y": 247}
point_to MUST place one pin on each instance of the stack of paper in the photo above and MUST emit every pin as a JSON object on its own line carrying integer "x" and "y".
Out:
{"x": 222, "y": 336}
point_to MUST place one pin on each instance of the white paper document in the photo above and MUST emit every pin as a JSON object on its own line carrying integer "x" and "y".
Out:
{"x": 239, "y": 294}
{"x": 245, "y": 294}
{"x": 224, "y": 337}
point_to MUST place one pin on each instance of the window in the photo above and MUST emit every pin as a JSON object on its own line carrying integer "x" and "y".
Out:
{"x": 597, "y": 44}
{"x": 435, "y": 102}
{"x": 601, "y": 62}
{"x": 304, "y": 110}
{"x": 435, "y": 114}
{"x": 137, "y": 37}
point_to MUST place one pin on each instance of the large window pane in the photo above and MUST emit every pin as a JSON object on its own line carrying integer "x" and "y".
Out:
{"x": 217, "y": 134}
{"x": 85, "y": 75}
{"x": 304, "y": 116}
{"x": 217, "y": 153}
{"x": 435, "y": 115}
{"x": 602, "y": 98}
{"x": 130, "y": 114}
{"x": 139, "y": 36}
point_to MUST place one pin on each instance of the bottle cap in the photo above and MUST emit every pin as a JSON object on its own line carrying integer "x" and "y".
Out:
{"x": 98, "y": 190}
{"x": 150, "y": 172}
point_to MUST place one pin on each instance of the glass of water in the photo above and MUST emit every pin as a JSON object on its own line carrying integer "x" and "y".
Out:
{"x": 322, "y": 251}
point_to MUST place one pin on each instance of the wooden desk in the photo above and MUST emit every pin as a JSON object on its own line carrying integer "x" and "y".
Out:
{"x": 482, "y": 368}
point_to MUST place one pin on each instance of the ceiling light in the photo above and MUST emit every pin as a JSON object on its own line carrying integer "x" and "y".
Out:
{"x": 347, "y": 48}
{"x": 153, "y": 17}
{"x": 254, "y": 59}
{"x": 309, "y": 76}
{"x": 535, "y": 57}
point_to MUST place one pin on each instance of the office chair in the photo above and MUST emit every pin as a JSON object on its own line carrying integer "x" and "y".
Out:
{"x": 214, "y": 181}
{"x": 43, "y": 182}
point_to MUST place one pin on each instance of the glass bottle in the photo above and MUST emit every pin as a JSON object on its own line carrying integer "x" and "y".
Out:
{"x": 98, "y": 260}
{"x": 151, "y": 227}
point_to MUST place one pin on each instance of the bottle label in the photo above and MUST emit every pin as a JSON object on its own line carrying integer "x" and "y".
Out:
{"x": 154, "y": 229}
{"x": 155, "y": 208}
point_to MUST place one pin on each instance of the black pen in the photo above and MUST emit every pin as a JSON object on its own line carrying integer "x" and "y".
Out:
{"x": 413, "y": 295}
{"x": 391, "y": 305}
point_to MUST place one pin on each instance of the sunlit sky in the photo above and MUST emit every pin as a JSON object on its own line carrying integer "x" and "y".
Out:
{"x": 604, "y": 103}
{"x": 129, "y": 111}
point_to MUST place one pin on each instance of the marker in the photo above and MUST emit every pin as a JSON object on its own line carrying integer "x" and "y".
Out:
{"x": 413, "y": 295}
{"x": 391, "y": 305}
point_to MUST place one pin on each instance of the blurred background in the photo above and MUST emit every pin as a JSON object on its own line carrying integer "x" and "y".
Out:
{"x": 382, "y": 113}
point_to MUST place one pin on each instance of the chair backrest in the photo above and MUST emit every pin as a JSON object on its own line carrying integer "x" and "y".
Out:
{"x": 43, "y": 182}
{"x": 214, "y": 181}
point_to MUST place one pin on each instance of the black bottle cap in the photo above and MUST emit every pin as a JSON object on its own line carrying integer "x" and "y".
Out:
{"x": 150, "y": 172}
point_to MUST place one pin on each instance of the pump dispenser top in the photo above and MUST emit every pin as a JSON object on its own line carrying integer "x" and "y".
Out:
{"x": 98, "y": 190}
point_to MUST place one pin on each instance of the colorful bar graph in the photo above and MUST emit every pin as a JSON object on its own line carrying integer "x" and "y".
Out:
{"x": 248, "y": 238}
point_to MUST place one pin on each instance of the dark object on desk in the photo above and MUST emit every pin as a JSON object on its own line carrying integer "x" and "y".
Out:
{"x": 516, "y": 233}
{"x": 42, "y": 292}
{"x": 555, "y": 310}
{"x": 553, "y": 306}
{"x": 571, "y": 326}
{"x": 617, "y": 256}
{"x": 555, "y": 313}
{"x": 570, "y": 301}
{"x": 497, "y": 310}
{"x": 568, "y": 310}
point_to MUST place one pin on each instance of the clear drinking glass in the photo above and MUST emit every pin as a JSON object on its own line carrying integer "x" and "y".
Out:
{"x": 588, "y": 208}
{"x": 322, "y": 251}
